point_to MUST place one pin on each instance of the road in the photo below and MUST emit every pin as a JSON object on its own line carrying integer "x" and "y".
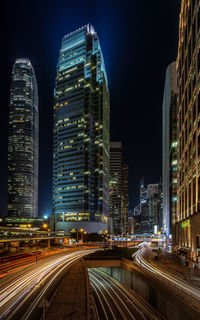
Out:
{"x": 14, "y": 263}
{"x": 182, "y": 285}
{"x": 22, "y": 294}
{"x": 115, "y": 301}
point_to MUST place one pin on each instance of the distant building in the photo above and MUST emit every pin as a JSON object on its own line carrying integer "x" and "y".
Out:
{"x": 25, "y": 223}
{"x": 148, "y": 214}
{"x": 118, "y": 189}
{"x": 131, "y": 225}
{"x": 125, "y": 202}
{"x": 23, "y": 142}
{"x": 81, "y": 135}
{"x": 188, "y": 175}
{"x": 155, "y": 204}
{"x": 116, "y": 213}
{"x": 170, "y": 164}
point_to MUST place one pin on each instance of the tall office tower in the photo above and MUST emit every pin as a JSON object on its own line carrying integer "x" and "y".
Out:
{"x": 155, "y": 204}
{"x": 118, "y": 189}
{"x": 116, "y": 162}
{"x": 81, "y": 135}
{"x": 23, "y": 142}
{"x": 169, "y": 137}
{"x": 125, "y": 203}
{"x": 148, "y": 214}
{"x": 188, "y": 118}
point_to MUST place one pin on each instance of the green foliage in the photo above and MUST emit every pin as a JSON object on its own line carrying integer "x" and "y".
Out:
{"x": 94, "y": 237}
{"x": 88, "y": 237}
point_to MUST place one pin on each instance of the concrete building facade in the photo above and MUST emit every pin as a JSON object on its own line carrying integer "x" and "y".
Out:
{"x": 188, "y": 118}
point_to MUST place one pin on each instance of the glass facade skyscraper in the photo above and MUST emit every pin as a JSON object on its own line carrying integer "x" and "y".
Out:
{"x": 23, "y": 142}
{"x": 116, "y": 198}
{"x": 169, "y": 137}
{"x": 118, "y": 190}
{"x": 81, "y": 135}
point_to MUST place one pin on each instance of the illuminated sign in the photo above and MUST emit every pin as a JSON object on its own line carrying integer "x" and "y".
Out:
{"x": 185, "y": 223}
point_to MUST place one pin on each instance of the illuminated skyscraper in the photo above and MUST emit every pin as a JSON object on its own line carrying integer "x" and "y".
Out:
{"x": 170, "y": 150}
{"x": 116, "y": 213}
{"x": 188, "y": 175}
{"x": 125, "y": 197}
{"x": 81, "y": 135}
{"x": 118, "y": 190}
{"x": 23, "y": 142}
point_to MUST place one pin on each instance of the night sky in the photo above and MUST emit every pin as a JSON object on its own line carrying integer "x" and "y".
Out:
{"x": 138, "y": 39}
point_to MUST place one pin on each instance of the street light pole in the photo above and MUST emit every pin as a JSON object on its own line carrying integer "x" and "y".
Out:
{"x": 85, "y": 232}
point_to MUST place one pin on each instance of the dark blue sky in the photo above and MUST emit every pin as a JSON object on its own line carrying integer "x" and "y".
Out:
{"x": 138, "y": 40}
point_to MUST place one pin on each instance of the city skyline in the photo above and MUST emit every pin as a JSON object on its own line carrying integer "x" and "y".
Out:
{"x": 100, "y": 118}
{"x": 124, "y": 126}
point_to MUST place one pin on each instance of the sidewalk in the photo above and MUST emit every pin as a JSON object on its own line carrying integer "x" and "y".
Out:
{"x": 171, "y": 263}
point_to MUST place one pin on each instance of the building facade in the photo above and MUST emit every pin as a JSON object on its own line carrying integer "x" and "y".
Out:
{"x": 125, "y": 200}
{"x": 169, "y": 145}
{"x": 148, "y": 214}
{"x": 188, "y": 118}
{"x": 155, "y": 204}
{"x": 116, "y": 213}
{"x": 23, "y": 134}
{"x": 118, "y": 190}
{"x": 81, "y": 135}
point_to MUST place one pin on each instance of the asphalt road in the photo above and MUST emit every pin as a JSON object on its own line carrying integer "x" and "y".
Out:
{"x": 115, "y": 301}
{"x": 24, "y": 295}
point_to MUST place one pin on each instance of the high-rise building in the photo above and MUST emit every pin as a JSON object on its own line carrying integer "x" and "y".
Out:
{"x": 23, "y": 142}
{"x": 169, "y": 146}
{"x": 81, "y": 135}
{"x": 148, "y": 214}
{"x": 155, "y": 204}
{"x": 125, "y": 202}
{"x": 188, "y": 118}
{"x": 118, "y": 189}
{"x": 116, "y": 213}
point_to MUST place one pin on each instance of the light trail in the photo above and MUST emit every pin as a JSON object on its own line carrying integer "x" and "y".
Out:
{"x": 112, "y": 294}
{"x": 6, "y": 267}
{"x": 180, "y": 284}
{"x": 14, "y": 295}
{"x": 98, "y": 284}
{"x": 103, "y": 303}
{"x": 134, "y": 307}
{"x": 138, "y": 302}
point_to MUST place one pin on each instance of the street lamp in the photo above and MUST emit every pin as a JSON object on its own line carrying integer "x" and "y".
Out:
{"x": 85, "y": 232}
{"x": 81, "y": 230}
